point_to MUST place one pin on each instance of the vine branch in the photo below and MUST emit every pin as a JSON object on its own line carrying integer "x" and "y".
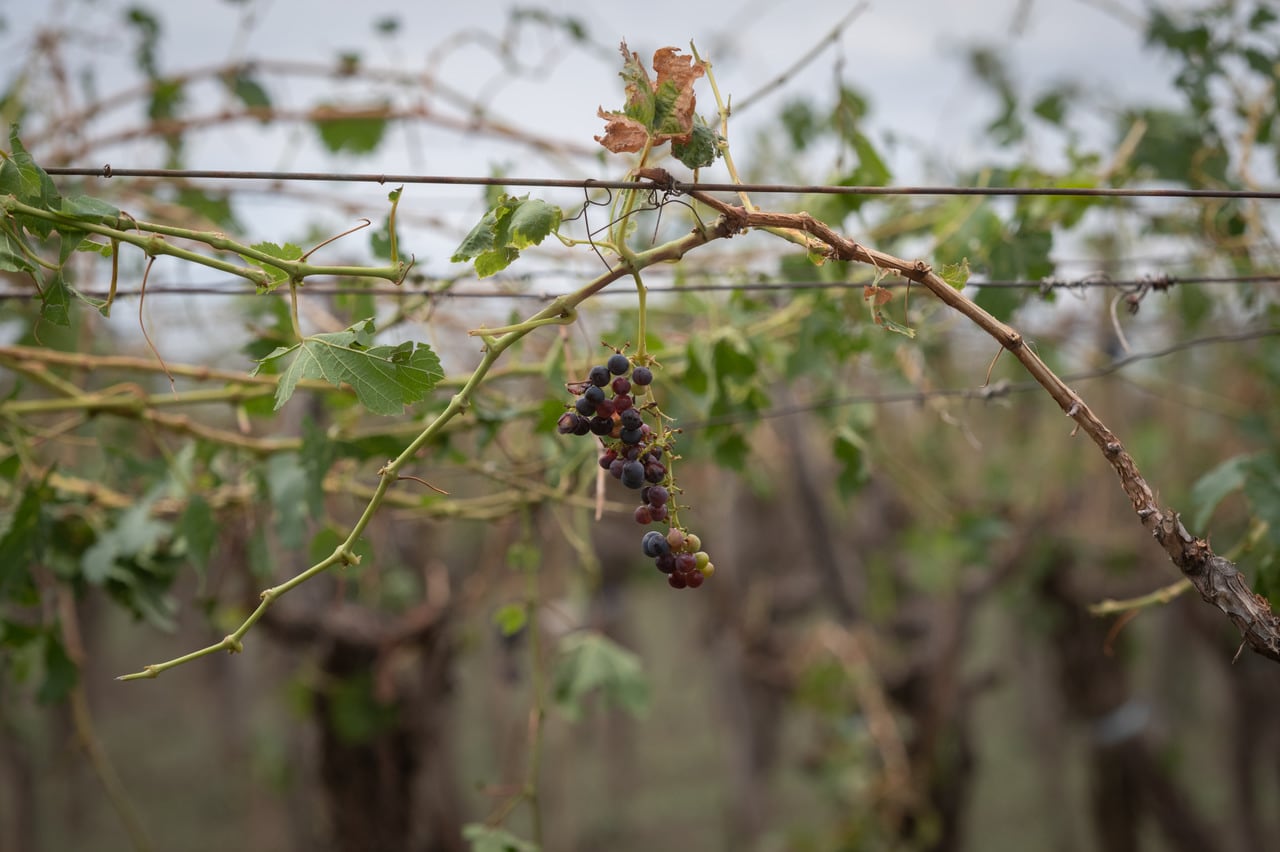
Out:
{"x": 1216, "y": 578}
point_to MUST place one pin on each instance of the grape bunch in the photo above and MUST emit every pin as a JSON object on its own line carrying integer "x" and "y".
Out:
{"x": 633, "y": 454}
{"x": 680, "y": 556}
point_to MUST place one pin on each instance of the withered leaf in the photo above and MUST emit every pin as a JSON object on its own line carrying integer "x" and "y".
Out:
{"x": 656, "y": 111}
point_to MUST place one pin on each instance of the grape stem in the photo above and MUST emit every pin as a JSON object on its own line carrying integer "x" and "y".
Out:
{"x": 641, "y": 293}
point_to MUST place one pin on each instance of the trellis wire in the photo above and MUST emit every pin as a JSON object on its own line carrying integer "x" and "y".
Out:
{"x": 108, "y": 171}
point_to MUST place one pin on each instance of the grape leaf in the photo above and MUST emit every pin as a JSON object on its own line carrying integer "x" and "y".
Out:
{"x": 248, "y": 90}
{"x": 700, "y": 148}
{"x": 22, "y": 544}
{"x": 590, "y": 662}
{"x": 1213, "y": 487}
{"x": 385, "y": 378}
{"x": 1262, "y": 490}
{"x": 60, "y": 672}
{"x": 30, "y": 184}
{"x": 660, "y": 110}
{"x": 288, "y": 251}
{"x": 511, "y": 225}
{"x": 848, "y": 448}
{"x": 355, "y": 130}
{"x": 956, "y": 274}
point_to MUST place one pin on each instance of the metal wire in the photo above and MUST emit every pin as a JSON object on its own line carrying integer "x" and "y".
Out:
{"x": 109, "y": 171}
{"x": 235, "y": 288}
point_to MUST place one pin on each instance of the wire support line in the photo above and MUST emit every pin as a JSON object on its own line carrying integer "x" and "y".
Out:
{"x": 1046, "y": 286}
{"x": 995, "y": 390}
{"x": 108, "y": 171}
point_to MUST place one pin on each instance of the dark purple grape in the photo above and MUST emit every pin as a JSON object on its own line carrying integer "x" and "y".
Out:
{"x": 583, "y": 427}
{"x": 658, "y": 495}
{"x": 693, "y": 580}
{"x": 633, "y": 436}
{"x": 656, "y": 452}
{"x": 594, "y": 395}
{"x": 666, "y": 562}
{"x": 601, "y": 425}
{"x": 584, "y": 406}
{"x": 644, "y": 493}
{"x": 607, "y": 459}
{"x": 658, "y": 513}
{"x": 622, "y": 403}
{"x": 621, "y": 386}
{"x": 567, "y": 423}
{"x": 677, "y": 581}
{"x": 631, "y": 453}
{"x": 631, "y": 419}
{"x": 599, "y": 375}
{"x": 685, "y": 563}
{"x": 642, "y": 376}
{"x": 615, "y": 468}
{"x": 605, "y": 408}
{"x": 654, "y": 472}
{"x": 619, "y": 364}
{"x": 643, "y": 516}
{"x": 633, "y": 474}
{"x": 654, "y": 543}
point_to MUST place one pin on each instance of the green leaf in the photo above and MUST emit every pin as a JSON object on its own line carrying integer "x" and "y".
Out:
{"x": 511, "y": 618}
{"x": 22, "y": 178}
{"x": 198, "y": 528}
{"x": 848, "y": 449}
{"x": 488, "y": 838}
{"x": 732, "y": 359}
{"x": 385, "y": 378}
{"x": 956, "y": 274}
{"x": 732, "y": 451}
{"x": 89, "y": 209}
{"x": 894, "y": 326}
{"x": 351, "y": 130}
{"x": 248, "y": 91}
{"x": 324, "y": 543}
{"x": 1261, "y": 17}
{"x": 354, "y": 710}
{"x": 1211, "y": 488}
{"x": 1262, "y": 490}
{"x": 317, "y": 456}
{"x": 288, "y": 251}
{"x": 15, "y": 252}
{"x": 591, "y": 662}
{"x": 1000, "y": 302}
{"x": 512, "y": 224}
{"x": 168, "y": 96}
{"x": 531, "y": 221}
{"x": 60, "y": 673}
{"x": 700, "y": 149}
{"x": 148, "y": 28}
{"x": 286, "y": 483}
{"x": 23, "y": 543}
{"x": 55, "y": 305}
{"x": 136, "y": 535}
{"x": 214, "y": 206}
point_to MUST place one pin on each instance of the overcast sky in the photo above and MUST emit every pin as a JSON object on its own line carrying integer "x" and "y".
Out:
{"x": 907, "y": 55}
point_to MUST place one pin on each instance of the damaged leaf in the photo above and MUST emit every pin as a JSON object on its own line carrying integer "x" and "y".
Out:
{"x": 660, "y": 110}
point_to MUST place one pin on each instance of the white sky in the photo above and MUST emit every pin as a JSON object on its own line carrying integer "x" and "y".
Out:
{"x": 907, "y": 56}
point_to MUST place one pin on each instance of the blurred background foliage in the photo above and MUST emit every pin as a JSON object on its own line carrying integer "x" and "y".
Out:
{"x": 896, "y": 651}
